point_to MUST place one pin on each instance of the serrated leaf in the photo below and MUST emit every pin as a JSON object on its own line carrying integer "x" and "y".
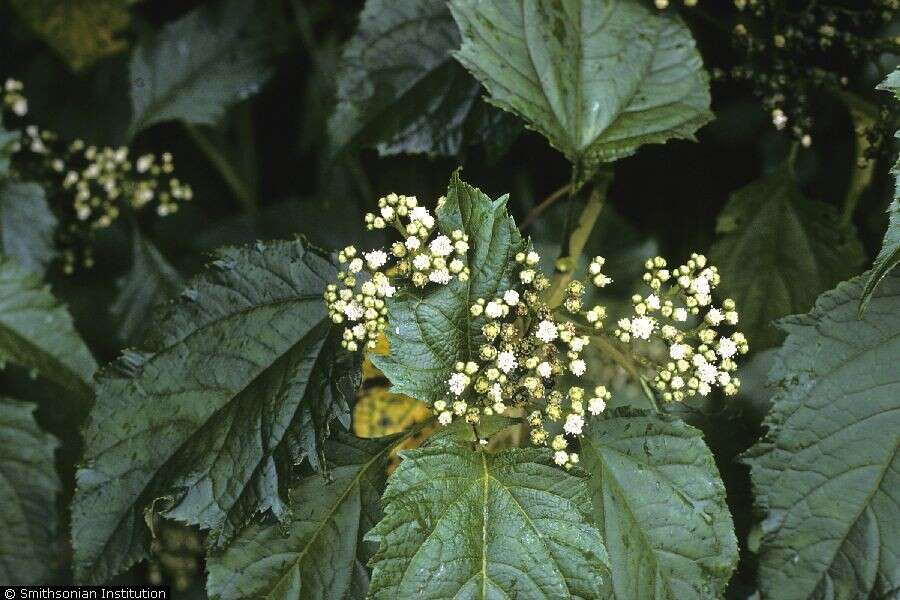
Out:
{"x": 198, "y": 66}
{"x": 81, "y": 32}
{"x": 461, "y": 523}
{"x": 28, "y": 488}
{"x": 778, "y": 250}
{"x": 149, "y": 281}
{"x": 36, "y": 331}
{"x": 237, "y": 381}
{"x": 827, "y": 473}
{"x": 431, "y": 329}
{"x": 317, "y": 551}
{"x": 660, "y": 505}
{"x": 27, "y": 225}
{"x": 889, "y": 255}
{"x": 597, "y": 78}
{"x": 399, "y": 88}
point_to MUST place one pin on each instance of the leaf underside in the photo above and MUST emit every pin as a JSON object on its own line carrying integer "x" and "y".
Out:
{"x": 27, "y": 225}
{"x": 660, "y": 505}
{"x": 198, "y": 66}
{"x": 400, "y": 90}
{"x": 827, "y": 474}
{"x": 318, "y": 552}
{"x": 28, "y": 488}
{"x": 36, "y": 331}
{"x": 237, "y": 381}
{"x": 778, "y": 250}
{"x": 597, "y": 78}
{"x": 461, "y": 523}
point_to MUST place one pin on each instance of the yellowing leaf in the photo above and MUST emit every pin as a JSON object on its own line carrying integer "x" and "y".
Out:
{"x": 80, "y": 31}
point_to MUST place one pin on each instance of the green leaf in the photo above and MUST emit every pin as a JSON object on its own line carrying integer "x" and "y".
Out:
{"x": 27, "y": 225}
{"x": 9, "y": 141}
{"x": 237, "y": 381}
{"x": 827, "y": 473}
{"x": 464, "y": 524}
{"x": 399, "y": 88}
{"x": 36, "y": 331}
{"x": 889, "y": 255}
{"x": 660, "y": 504}
{"x": 317, "y": 552}
{"x": 431, "y": 329}
{"x": 198, "y": 66}
{"x": 778, "y": 250}
{"x": 597, "y": 78}
{"x": 149, "y": 282}
{"x": 28, "y": 488}
{"x": 81, "y": 32}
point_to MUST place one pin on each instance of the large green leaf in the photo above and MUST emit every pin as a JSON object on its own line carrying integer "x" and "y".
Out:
{"x": 237, "y": 381}
{"x": 9, "y": 141}
{"x": 598, "y": 78}
{"x": 28, "y": 488}
{"x": 149, "y": 281}
{"x": 431, "y": 329}
{"x": 889, "y": 255}
{"x": 660, "y": 505}
{"x": 827, "y": 474}
{"x": 26, "y": 225}
{"x": 318, "y": 551}
{"x": 198, "y": 66}
{"x": 462, "y": 523}
{"x": 778, "y": 250}
{"x": 399, "y": 88}
{"x": 36, "y": 331}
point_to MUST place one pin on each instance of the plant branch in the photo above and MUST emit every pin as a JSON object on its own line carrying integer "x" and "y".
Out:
{"x": 863, "y": 169}
{"x": 243, "y": 192}
{"x": 546, "y": 203}
{"x": 574, "y": 242}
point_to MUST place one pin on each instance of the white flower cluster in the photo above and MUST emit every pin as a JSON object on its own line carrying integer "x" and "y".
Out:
{"x": 97, "y": 183}
{"x": 524, "y": 350}
{"x": 12, "y": 98}
{"x": 366, "y": 279}
{"x": 698, "y": 362}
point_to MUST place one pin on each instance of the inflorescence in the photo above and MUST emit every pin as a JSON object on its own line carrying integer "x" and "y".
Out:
{"x": 526, "y": 347}
{"x": 91, "y": 186}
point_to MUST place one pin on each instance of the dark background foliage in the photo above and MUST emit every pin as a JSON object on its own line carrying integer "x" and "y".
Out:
{"x": 277, "y": 142}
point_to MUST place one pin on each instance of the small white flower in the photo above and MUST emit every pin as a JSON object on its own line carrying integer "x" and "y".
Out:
{"x": 677, "y": 351}
{"x": 511, "y": 297}
{"x": 714, "y": 316}
{"x": 356, "y": 265}
{"x": 359, "y": 331}
{"x": 376, "y": 259}
{"x": 561, "y": 457}
{"x": 653, "y": 302}
{"x": 458, "y": 383}
{"x": 387, "y": 212}
{"x": 707, "y": 373}
{"x": 493, "y": 310}
{"x": 578, "y": 343}
{"x": 445, "y": 417}
{"x": 506, "y": 361}
{"x": 441, "y": 246}
{"x": 546, "y": 331}
{"x": 578, "y": 367}
{"x": 574, "y": 424}
{"x": 596, "y": 406}
{"x": 677, "y": 383}
{"x": 703, "y": 389}
{"x": 421, "y": 214}
{"x": 724, "y": 378}
{"x": 727, "y": 348}
{"x": 354, "y": 311}
{"x": 532, "y": 258}
{"x": 544, "y": 369}
{"x": 461, "y": 246}
{"x": 441, "y": 276}
{"x": 700, "y": 286}
{"x": 421, "y": 262}
{"x": 680, "y": 315}
{"x": 526, "y": 276}
{"x": 642, "y": 327}
{"x": 413, "y": 243}
{"x": 496, "y": 393}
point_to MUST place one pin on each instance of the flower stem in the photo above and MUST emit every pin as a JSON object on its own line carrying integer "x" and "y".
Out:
{"x": 243, "y": 192}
